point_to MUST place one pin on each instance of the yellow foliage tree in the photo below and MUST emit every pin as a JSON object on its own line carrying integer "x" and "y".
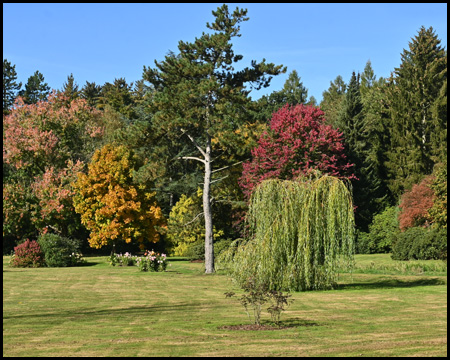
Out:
{"x": 112, "y": 205}
{"x": 185, "y": 228}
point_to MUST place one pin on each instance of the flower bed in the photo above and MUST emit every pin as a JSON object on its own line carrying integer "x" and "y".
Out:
{"x": 151, "y": 261}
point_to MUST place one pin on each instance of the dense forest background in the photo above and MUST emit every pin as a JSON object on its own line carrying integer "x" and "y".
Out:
{"x": 64, "y": 149}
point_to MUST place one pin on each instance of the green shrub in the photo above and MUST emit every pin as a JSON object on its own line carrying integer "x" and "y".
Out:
{"x": 221, "y": 245}
{"x": 404, "y": 241}
{"x": 382, "y": 233}
{"x": 196, "y": 250}
{"x": 27, "y": 254}
{"x": 433, "y": 246}
{"x": 421, "y": 243}
{"x": 60, "y": 251}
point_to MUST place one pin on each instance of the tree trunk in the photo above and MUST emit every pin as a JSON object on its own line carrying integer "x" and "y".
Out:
{"x": 209, "y": 248}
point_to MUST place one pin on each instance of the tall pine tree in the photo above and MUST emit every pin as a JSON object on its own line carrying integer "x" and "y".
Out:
{"x": 417, "y": 101}
{"x": 200, "y": 97}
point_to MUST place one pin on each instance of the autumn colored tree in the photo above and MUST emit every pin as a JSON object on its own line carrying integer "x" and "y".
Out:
{"x": 184, "y": 226}
{"x": 415, "y": 204}
{"x": 49, "y": 133}
{"x": 53, "y": 192}
{"x": 298, "y": 141}
{"x": 43, "y": 144}
{"x": 112, "y": 205}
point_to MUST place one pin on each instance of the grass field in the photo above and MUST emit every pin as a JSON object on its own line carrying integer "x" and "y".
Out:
{"x": 385, "y": 308}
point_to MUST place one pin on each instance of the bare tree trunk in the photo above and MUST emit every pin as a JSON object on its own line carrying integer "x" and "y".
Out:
{"x": 209, "y": 247}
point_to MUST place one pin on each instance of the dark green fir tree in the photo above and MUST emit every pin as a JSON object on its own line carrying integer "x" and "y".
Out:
{"x": 11, "y": 87}
{"x": 357, "y": 137}
{"x": 91, "y": 93}
{"x": 417, "y": 102}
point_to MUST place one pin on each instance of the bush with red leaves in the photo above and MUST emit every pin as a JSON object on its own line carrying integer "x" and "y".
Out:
{"x": 27, "y": 254}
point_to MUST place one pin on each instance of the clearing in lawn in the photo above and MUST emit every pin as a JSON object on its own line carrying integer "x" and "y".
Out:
{"x": 383, "y": 309}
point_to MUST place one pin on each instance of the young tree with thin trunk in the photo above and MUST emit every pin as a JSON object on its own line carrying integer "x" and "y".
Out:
{"x": 200, "y": 97}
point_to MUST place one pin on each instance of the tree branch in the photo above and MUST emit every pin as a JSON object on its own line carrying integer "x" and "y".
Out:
{"x": 192, "y": 158}
{"x": 226, "y": 167}
{"x": 194, "y": 142}
{"x": 195, "y": 218}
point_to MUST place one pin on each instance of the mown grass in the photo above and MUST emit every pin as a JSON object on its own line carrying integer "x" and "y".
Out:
{"x": 99, "y": 310}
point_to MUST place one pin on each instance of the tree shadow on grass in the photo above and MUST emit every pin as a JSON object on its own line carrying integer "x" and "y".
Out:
{"x": 133, "y": 311}
{"x": 391, "y": 283}
{"x": 268, "y": 325}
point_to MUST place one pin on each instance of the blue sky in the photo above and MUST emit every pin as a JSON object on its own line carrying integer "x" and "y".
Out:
{"x": 101, "y": 42}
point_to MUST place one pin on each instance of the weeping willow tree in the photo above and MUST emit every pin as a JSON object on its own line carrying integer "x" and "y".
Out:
{"x": 300, "y": 231}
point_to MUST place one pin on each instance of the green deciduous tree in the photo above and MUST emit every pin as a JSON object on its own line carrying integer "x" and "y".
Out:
{"x": 298, "y": 229}
{"x": 199, "y": 96}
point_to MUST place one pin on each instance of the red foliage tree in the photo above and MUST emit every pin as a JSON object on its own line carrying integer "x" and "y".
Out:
{"x": 415, "y": 205}
{"x": 298, "y": 141}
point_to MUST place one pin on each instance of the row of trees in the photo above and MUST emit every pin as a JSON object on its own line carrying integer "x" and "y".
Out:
{"x": 188, "y": 143}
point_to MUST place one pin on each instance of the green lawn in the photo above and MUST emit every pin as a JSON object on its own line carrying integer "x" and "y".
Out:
{"x": 383, "y": 309}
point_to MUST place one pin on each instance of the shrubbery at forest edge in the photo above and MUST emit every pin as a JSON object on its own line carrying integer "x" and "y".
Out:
{"x": 382, "y": 232}
{"x": 419, "y": 243}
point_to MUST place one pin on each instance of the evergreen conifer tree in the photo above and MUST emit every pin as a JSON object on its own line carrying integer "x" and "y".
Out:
{"x": 70, "y": 88}
{"x": 417, "y": 101}
{"x": 91, "y": 93}
{"x": 199, "y": 97}
{"x": 35, "y": 89}
{"x": 332, "y": 100}
{"x": 357, "y": 139}
{"x": 292, "y": 93}
{"x": 10, "y": 86}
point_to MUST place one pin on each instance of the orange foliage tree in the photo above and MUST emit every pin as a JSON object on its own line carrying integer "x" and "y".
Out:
{"x": 415, "y": 205}
{"x": 112, "y": 205}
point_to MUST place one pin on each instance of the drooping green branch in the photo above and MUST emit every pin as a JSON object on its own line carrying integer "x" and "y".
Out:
{"x": 299, "y": 230}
